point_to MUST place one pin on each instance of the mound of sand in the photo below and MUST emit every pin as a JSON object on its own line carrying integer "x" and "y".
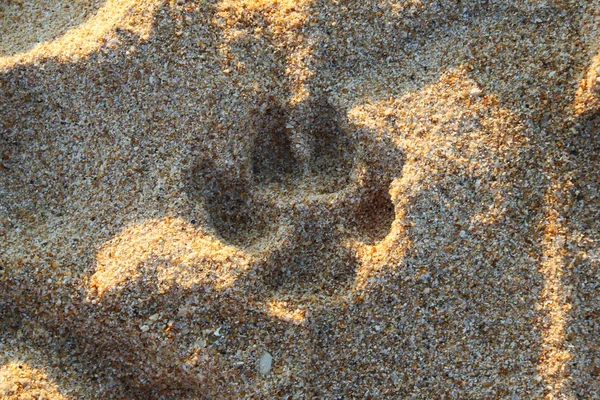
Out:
{"x": 299, "y": 199}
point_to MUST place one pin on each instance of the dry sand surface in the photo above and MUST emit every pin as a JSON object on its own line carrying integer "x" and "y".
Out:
{"x": 302, "y": 199}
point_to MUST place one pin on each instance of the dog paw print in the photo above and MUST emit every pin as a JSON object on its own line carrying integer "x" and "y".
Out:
{"x": 305, "y": 192}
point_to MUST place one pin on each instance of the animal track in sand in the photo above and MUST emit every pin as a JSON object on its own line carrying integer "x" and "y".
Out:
{"x": 302, "y": 194}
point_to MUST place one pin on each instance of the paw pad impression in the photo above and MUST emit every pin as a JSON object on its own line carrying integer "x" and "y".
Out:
{"x": 304, "y": 191}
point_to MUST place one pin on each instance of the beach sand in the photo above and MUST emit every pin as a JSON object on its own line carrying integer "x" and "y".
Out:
{"x": 299, "y": 199}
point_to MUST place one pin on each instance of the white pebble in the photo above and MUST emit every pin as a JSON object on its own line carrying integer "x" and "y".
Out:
{"x": 265, "y": 363}
{"x": 475, "y": 92}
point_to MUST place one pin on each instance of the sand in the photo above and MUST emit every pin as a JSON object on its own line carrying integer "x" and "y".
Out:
{"x": 299, "y": 199}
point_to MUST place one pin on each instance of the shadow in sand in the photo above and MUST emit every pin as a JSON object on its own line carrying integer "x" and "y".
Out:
{"x": 582, "y": 254}
{"x": 43, "y": 195}
{"x": 298, "y": 211}
{"x": 98, "y": 341}
{"x": 454, "y": 315}
{"x": 458, "y": 309}
{"x": 109, "y": 342}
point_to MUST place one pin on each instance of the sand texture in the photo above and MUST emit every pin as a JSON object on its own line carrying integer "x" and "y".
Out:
{"x": 277, "y": 199}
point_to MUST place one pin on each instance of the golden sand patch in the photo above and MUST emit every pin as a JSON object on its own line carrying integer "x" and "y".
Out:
{"x": 177, "y": 253}
{"x": 34, "y": 30}
{"x": 21, "y": 381}
{"x": 281, "y": 22}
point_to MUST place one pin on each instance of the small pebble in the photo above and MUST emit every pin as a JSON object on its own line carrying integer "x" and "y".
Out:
{"x": 475, "y": 92}
{"x": 264, "y": 363}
